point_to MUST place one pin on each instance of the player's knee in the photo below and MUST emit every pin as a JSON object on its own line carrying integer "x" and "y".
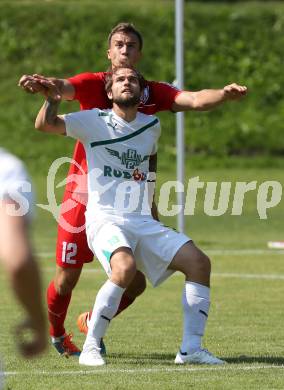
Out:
{"x": 123, "y": 267}
{"x": 64, "y": 287}
{"x": 129, "y": 270}
{"x": 205, "y": 264}
{"x": 65, "y": 282}
{"x": 201, "y": 264}
{"x": 123, "y": 273}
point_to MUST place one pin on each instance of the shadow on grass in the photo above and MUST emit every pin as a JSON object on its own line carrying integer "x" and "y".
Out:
{"x": 144, "y": 358}
{"x": 166, "y": 359}
{"x": 276, "y": 360}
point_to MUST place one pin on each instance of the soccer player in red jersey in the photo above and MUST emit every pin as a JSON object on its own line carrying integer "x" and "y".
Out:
{"x": 72, "y": 251}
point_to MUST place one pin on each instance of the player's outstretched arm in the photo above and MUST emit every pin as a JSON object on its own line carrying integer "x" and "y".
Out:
{"x": 47, "y": 119}
{"x": 207, "y": 99}
{"x": 35, "y": 84}
{"x": 16, "y": 255}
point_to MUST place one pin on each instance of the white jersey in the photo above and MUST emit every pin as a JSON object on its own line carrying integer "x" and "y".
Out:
{"x": 15, "y": 184}
{"x": 117, "y": 154}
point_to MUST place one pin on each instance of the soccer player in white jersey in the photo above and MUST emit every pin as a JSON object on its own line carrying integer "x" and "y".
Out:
{"x": 118, "y": 143}
{"x": 16, "y": 252}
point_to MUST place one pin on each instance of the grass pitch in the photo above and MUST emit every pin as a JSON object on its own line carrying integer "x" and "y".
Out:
{"x": 245, "y": 325}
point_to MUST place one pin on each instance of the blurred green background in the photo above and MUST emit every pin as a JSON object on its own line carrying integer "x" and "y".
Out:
{"x": 235, "y": 41}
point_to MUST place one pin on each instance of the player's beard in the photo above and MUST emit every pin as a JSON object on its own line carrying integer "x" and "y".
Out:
{"x": 128, "y": 101}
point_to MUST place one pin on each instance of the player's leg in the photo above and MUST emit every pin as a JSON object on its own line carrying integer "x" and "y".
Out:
{"x": 58, "y": 298}
{"x": 59, "y": 294}
{"x": 123, "y": 270}
{"x": 195, "y": 265}
{"x": 71, "y": 253}
{"x": 113, "y": 246}
{"x": 163, "y": 251}
{"x": 136, "y": 288}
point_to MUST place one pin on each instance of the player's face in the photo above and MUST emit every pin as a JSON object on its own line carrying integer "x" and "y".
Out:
{"x": 124, "y": 50}
{"x": 125, "y": 88}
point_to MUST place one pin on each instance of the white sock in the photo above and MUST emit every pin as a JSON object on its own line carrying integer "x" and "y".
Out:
{"x": 106, "y": 305}
{"x": 196, "y": 302}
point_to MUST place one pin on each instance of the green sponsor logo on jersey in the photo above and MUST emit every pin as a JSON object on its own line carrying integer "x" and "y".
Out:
{"x": 135, "y": 175}
{"x": 131, "y": 159}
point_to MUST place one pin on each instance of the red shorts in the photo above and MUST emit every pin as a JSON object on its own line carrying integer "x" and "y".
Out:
{"x": 72, "y": 249}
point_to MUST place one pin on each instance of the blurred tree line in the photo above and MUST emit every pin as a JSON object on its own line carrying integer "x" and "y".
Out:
{"x": 223, "y": 43}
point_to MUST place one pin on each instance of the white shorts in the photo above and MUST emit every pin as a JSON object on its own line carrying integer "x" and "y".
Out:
{"x": 153, "y": 244}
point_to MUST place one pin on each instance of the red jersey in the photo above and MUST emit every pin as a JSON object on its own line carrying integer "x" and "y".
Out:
{"x": 90, "y": 92}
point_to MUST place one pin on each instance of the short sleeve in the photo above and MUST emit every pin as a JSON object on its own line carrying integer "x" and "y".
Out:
{"x": 164, "y": 95}
{"x": 82, "y": 125}
{"x": 87, "y": 85}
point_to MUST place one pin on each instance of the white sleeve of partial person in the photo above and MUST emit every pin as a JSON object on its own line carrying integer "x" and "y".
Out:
{"x": 15, "y": 186}
{"x": 81, "y": 125}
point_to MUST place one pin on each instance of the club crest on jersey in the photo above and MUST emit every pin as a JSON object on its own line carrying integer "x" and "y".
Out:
{"x": 145, "y": 95}
{"x": 131, "y": 159}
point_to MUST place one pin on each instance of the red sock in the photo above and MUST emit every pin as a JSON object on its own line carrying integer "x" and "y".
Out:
{"x": 124, "y": 303}
{"x": 57, "y": 310}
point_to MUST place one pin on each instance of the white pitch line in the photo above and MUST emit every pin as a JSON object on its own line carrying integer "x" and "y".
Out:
{"x": 46, "y": 254}
{"x": 247, "y": 276}
{"x": 85, "y": 270}
{"x": 214, "y": 274}
{"x": 219, "y": 252}
{"x": 139, "y": 370}
{"x": 242, "y": 252}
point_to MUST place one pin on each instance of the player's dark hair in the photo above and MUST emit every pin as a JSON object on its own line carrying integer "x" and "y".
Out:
{"x": 111, "y": 72}
{"x": 126, "y": 28}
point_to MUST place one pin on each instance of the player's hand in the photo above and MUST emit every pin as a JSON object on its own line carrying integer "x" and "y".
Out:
{"x": 37, "y": 83}
{"x": 37, "y": 341}
{"x": 50, "y": 88}
{"x": 234, "y": 91}
{"x": 31, "y": 84}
